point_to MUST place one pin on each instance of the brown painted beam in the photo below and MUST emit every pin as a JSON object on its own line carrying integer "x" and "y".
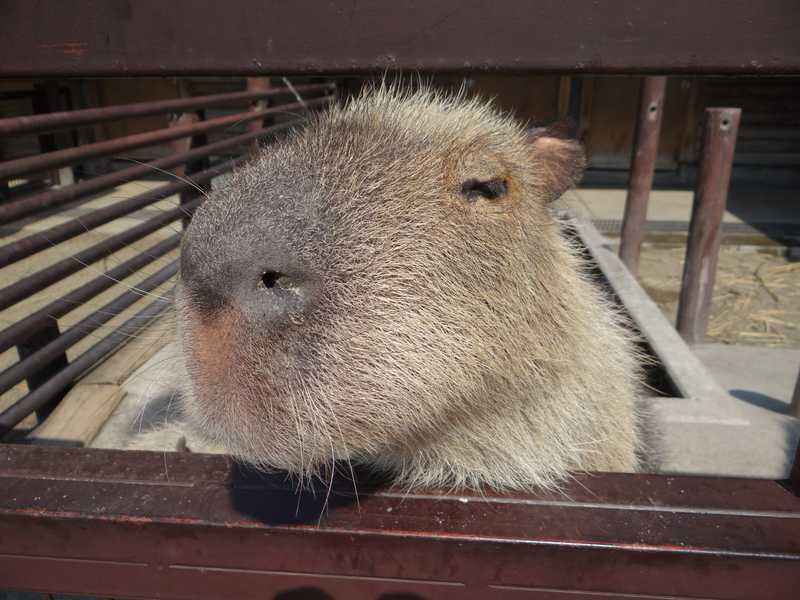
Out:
{"x": 138, "y": 524}
{"x": 39, "y": 38}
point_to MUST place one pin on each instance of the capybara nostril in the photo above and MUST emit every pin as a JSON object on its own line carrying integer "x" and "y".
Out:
{"x": 277, "y": 281}
{"x": 280, "y": 297}
{"x": 271, "y": 278}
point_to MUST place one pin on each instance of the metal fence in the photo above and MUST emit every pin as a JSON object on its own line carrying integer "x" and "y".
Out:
{"x": 40, "y": 344}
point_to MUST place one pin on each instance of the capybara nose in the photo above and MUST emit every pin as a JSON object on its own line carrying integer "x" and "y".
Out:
{"x": 259, "y": 280}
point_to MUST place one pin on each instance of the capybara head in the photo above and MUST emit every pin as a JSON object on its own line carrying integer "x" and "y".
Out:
{"x": 386, "y": 285}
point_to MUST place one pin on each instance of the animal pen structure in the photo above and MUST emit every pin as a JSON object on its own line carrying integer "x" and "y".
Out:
{"x": 175, "y": 525}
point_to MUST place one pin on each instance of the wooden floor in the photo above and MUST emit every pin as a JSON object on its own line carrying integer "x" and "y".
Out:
{"x": 43, "y": 259}
{"x": 86, "y": 408}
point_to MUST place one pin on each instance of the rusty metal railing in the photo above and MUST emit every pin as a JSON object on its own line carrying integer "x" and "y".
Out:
{"x": 128, "y": 524}
{"x": 711, "y": 196}
{"x": 720, "y": 129}
{"x": 702, "y": 248}
{"x": 643, "y": 163}
{"x": 41, "y": 346}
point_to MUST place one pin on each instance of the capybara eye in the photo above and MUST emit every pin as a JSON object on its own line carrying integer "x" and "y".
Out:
{"x": 490, "y": 189}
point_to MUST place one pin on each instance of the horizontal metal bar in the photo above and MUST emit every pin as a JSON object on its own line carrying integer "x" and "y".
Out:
{"x": 305, "y": 36}
{"x": 39, "y": 359}
{"x": 30, "y": 204}
{"x": 90, "y": 116}
{"x": 17, "y": 94}
{"x": 27, "y": 286}
{"x": 64, "y": 378}
{"x": 179, "y": 526}
{"x": 69, "y": 156}
{"x": 14, "y": 334}
{"x": 43, "y": 240}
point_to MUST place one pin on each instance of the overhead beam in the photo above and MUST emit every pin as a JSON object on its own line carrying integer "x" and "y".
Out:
{"x": 39, "y": 38}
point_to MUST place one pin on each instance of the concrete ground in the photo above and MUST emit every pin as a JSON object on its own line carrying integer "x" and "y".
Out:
{"x": 760, "y": 381}
{"x": 762, "y": 377}
{"x": 744, "y": 433}
{"x": 746, "y": 205}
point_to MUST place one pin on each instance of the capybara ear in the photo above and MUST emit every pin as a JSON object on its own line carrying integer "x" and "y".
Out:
{"x": 560, "y": 161}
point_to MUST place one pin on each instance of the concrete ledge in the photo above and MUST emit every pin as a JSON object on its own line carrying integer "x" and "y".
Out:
{"x": 684, "y": 369}
{"x": 707, "y": 431}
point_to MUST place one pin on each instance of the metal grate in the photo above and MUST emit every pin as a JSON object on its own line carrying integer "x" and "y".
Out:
{"x": 41, "y": 373}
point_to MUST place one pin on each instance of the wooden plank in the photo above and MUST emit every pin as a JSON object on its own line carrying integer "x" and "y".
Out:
{"x": 79, "y": 416}
{"x": 119, "y": 366}
{"x": 84, "y": 410}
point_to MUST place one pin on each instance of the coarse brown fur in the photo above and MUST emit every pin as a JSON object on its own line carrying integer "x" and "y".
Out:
{"x": 453, "y": 339}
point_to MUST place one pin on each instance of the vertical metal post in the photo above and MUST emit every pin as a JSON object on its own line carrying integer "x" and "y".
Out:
{"x": 794, "y": 474}
{"x": 85, "y": 95}
{"x": 710, "y": 198}
{"x": 34, "y": 342}
{"x": 188, "y": 143}
{"x": 257, "y": 84}
{"x": 794, "y": 407}
{"x": 643, "y": 164}
{"x": 573, "y": 111}
{"x": 5, "y": 190}
{"x": 564, "y": 86}
{"x": 48, "y": 98}
{"x": 183, "y": 144}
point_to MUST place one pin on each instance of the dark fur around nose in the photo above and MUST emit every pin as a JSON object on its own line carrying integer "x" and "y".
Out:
{"x": 256, "y": 275}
